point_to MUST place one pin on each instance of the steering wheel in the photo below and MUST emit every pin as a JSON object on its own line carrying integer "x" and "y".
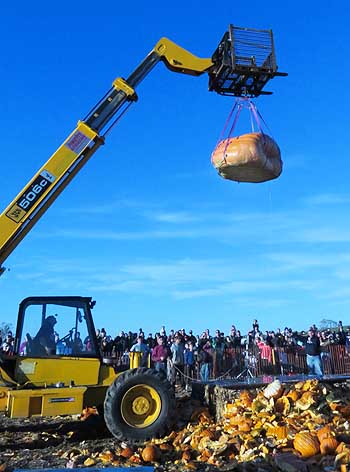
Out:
{"x": 67, "y": 337}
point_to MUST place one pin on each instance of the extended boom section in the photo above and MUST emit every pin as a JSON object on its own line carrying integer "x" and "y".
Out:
{"x": 30, "y": 204}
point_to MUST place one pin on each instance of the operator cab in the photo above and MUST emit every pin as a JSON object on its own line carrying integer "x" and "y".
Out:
{"x": 56, "y": 326}
{"x": 55, "y": 343}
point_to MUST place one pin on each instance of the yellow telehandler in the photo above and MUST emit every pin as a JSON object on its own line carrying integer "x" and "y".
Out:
{"x": 57, "y": 367}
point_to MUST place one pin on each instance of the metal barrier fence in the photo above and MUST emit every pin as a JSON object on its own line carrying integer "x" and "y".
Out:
{"x": 285, "y": 361}
{"x": 239, "y": 362}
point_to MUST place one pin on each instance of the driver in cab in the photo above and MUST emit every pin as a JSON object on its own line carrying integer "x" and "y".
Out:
{"x": 44, "y": 340}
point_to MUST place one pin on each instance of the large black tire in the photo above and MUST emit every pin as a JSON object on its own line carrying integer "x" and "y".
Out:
{"x": 139, "y": 405}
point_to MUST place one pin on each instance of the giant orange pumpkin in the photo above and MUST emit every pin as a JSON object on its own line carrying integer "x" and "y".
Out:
{"x": 251, "y": 157}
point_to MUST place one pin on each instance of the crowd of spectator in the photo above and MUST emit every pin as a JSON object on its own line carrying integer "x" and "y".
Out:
{"x": 181, "y": 354}
{"x": 7, "y": 342}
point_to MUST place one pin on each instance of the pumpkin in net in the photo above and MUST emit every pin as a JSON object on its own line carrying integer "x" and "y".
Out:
{"x": 251, "y": 157}
{"x": 306, "y": 443}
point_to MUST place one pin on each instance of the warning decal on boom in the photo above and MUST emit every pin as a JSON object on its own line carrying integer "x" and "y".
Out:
{"x": 30, "y": 196}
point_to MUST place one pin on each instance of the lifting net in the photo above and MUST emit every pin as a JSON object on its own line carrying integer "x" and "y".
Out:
{"x": 251, "y": 157}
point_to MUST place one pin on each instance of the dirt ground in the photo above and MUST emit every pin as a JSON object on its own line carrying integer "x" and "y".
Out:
{"x": 63, "y": 442}
{"x": 69, "y": 442}
{"x": 44, "y": 442}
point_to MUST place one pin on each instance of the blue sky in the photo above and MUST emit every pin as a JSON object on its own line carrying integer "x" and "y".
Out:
{"x": 148, "y": 228}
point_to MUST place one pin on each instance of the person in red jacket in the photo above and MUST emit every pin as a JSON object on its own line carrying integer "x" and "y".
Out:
{"x": 160, "y": 355}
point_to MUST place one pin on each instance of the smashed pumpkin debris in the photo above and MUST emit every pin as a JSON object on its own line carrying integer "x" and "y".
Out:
{"x": 279, "y": 428}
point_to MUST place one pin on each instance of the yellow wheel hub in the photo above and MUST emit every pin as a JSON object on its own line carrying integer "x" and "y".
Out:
{"x": 140, "y": 406}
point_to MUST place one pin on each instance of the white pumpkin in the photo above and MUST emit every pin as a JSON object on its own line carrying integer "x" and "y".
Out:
{"x": 273, "y": 390}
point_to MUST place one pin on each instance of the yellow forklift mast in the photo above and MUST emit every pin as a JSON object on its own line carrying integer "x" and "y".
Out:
{"x": 242, "y": 64}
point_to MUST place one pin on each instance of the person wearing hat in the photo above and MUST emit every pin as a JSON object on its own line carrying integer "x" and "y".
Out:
{"x": 141, "y": 347}
{"x": 44, "y": 341}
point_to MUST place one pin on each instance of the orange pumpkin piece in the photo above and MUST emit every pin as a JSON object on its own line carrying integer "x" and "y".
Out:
{"x": 342, "y": 447}
{"x": 213, "y": 461}
{"x": 179, "y": 438}
{"x": 186, "y": 455}
{"x": 306, "y": 400}
{"x": 150, "y": 454}
{"x": 345, "y": 411}
{"x": 204, "y": 456}
{"x": 328, "y": 445}
{"x": 282, "y": 405}
{"x": 166, "y": 447}
{"x": 307, "y": 444}
{"x": 107, "y": 456}
{"x": 135, "y": 459}
{"x": 246, "y": 398}
{"x": 325, "y": 432}
{"x": 245, "y": 425}
{"x": 281, "y": 432}
{"x": 293, "y": 395}
{"x": 127, "y": 452}
{"x": 205, "y": 418}
{"x": 208, "y": 433}
{"x": 334, "y": 406}
{"x": 343, "y": 458}
{"x": 310, "y": 385}
{"x": 88, "y": 412}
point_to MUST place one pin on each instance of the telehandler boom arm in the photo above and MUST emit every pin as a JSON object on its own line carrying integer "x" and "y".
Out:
{"x": 229, "y": 74}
